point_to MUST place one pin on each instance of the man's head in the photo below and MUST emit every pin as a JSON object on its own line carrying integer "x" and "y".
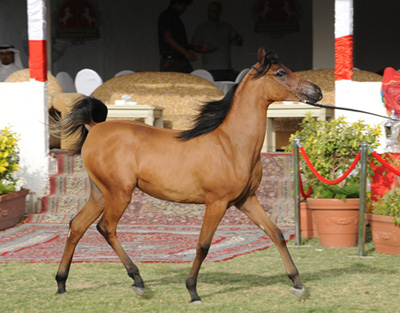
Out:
{"x": 214, "y": 11}
{"x": 7, "y": 55}
{"x": 180, "y": 5}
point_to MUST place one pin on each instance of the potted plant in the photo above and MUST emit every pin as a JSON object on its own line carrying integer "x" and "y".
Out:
{"x": 385, "y": 222}
{"x": 12, "y": 196}
{"x": 331, "y": 147}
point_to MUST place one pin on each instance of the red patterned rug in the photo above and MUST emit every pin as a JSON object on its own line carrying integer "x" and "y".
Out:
{"x": 151, "y": 230}
{"x": 156, "y": 243}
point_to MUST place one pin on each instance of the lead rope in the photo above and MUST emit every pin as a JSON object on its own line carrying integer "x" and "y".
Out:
{"x": 326, "y": 106}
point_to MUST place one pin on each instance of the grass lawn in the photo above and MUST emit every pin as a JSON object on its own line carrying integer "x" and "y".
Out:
{"x": 336, "y": 279}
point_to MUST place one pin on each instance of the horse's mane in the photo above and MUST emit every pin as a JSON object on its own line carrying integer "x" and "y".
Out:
{"x": 211, "y": 116}
{"x": 213, "y": 113}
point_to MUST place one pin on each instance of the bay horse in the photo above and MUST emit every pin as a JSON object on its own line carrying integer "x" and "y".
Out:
{"x": 216, "y": 163}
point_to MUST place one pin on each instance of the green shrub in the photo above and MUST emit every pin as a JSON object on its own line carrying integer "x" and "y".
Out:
{"x": 331, "y": 147}
{"x": 9, "y": 161}
{"x": 389, "y": 204}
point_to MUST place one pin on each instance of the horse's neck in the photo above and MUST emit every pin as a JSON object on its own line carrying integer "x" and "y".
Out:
{"x": 246, "y": 122}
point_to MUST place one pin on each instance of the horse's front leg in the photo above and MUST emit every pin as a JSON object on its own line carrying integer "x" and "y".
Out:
{"x": 256, "y": 213}
{"x": 214, "y": 214}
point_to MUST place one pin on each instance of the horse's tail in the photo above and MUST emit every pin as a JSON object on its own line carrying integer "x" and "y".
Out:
{"x": 86, "y": 113}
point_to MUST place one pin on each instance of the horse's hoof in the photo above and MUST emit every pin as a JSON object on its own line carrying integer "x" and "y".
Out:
{"x": 61, "y": 293}
{"x": 301, "y": 293}
{"x": 138, "y": 290}
{"x": 195, "y": 302}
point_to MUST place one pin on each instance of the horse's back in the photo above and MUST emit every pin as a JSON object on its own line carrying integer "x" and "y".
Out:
{"x": 122, "y": 132}
{"x": 119, "y": 144}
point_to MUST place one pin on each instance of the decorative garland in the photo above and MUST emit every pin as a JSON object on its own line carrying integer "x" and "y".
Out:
{"x": 338, "y": 180}
{"x": 323, "y": 179}
{"x": 384, "y": 163}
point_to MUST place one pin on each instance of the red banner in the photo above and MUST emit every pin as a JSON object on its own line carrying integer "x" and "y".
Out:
{"x": 38, "y": 59}
{"x": 344, "y": 57}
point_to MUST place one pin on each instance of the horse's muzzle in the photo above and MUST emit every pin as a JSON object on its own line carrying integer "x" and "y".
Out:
{"x": 313, "y": 93}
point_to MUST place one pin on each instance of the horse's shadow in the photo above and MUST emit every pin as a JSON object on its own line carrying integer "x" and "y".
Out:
{"x": 234, "y": 281}
{"x": 239, "y": 281}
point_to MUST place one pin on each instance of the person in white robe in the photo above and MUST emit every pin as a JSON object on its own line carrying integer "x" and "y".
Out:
{"x": 10, "y": 61}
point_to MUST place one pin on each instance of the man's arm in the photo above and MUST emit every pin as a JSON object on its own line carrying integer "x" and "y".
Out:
{"x": 176, "y": 46}
{"x": 236, "y": 38}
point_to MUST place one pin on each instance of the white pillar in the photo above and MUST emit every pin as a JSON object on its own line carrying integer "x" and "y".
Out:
{"x": 364, "y": 96}
{"x": 34, "y": 145}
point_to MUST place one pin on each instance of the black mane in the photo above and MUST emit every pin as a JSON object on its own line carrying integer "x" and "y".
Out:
{"x": 213, "y": 113}
{"x": 211, "y": 116}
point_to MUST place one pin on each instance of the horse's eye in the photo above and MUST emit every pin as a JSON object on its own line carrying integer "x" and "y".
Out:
{"x": 280, "y": 73}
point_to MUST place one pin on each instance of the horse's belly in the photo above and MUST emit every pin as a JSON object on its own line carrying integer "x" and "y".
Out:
{"x": 173, "y": 192}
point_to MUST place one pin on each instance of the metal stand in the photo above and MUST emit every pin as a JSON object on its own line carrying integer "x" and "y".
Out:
{"x": 363, "y": 199}
{"x": 295, "y": 145}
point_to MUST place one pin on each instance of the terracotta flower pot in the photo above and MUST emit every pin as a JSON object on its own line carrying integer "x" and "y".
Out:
{"x": 385, "y": 233}
{"x": 12, "y": 208}
{"x": 307, "y": 224}
{"x": 336, "y": 221}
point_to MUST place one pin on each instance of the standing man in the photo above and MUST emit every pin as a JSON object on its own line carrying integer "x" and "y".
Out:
{"x": 213, "y": 40}
{"x": 172, "y": 39}
{"x": 10, "y": 61}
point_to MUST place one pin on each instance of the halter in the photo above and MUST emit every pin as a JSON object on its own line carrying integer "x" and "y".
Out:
{"x": 295, "y": 92}
{"x": 325, "y": 106}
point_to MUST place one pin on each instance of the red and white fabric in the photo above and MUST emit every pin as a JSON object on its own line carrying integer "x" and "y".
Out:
{"x": 343, "y": 39}
{"x": 37, "y": 39}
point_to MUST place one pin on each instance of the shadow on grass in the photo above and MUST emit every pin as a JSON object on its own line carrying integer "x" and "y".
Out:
{"x": 238, "y": 281}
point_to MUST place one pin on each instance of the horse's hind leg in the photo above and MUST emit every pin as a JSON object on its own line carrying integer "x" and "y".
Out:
{"x": 255, "y": 212}
{"x": 107, "y": 226}
{"x": 78, "y": 226}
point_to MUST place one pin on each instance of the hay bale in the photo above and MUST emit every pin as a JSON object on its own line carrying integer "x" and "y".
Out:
{"x": 24, "y": 75}
{"x": 180, "y": 94}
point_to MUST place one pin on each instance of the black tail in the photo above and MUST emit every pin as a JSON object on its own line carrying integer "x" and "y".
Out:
{"x": 86, "y": 112}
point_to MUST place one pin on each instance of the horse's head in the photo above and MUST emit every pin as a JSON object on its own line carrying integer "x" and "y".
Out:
{"x": 281, "y": 83}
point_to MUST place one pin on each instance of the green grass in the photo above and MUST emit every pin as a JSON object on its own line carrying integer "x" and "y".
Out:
{"x": 336, "y": 279}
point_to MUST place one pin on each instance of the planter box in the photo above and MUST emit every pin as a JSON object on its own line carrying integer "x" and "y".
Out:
{"x": 336, "y": 221}
{"x": 12, "y": 208}
{"x": 307, "y": 224}
{"x": 385, "y": 233}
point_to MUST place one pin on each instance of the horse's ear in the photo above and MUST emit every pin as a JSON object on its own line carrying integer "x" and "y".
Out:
{"x": 261, "y": 55}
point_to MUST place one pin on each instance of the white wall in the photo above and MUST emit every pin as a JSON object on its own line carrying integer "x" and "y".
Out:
{"x": 23, "y": 107}
{"x": 365, "y": 96}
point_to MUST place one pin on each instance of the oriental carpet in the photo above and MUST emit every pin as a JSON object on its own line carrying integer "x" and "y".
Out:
{"x": 151, "y": 230}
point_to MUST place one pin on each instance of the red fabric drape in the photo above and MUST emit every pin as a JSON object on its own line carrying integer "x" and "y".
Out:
{"x": 344, "y": 57}
{"x": 38, "y": 59}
